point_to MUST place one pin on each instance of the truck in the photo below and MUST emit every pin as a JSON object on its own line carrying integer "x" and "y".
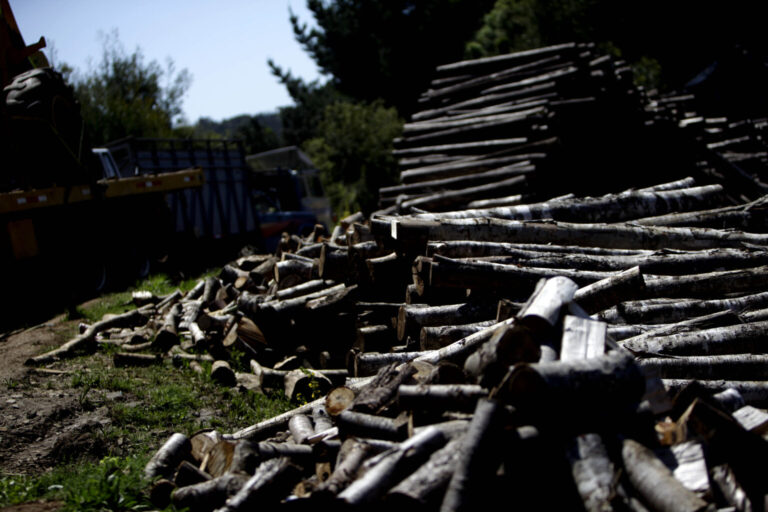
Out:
{"x": 68, "y": 223}
{"x": 245, "y": 199}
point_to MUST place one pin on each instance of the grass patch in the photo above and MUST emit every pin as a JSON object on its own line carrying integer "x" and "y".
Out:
{"x": 145, "y": 405}
{"x": 113, "y": 483}
{"x": 120, "y": 302}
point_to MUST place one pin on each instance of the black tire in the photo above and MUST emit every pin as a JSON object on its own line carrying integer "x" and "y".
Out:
{"x": 47, "y": 128}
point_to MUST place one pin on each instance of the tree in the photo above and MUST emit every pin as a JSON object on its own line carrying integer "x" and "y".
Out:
{"x": 125, "y": 96}
{"x": 676, "y": 39}
{"x": 354, "y": 153}
{"x": 300, "y": 121}
{"x": 387, "y": 50}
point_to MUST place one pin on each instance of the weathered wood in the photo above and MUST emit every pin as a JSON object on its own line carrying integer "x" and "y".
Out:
{"x": 718, "y": 319}
{"x": 189, "y": 474}
{"x": 723, "y": 478}
{"x": 271, "y": 482}
{"x": 368, "y": 364}
{"x": 381, "y": 391}
{"x": 687, "y": 463}
{"x": 432, "y": 338}
{"x": 456, "y": 182}
{"x": 369, "y": 425}
{"x": 544, "y": 307}
{"x": 592, "y": 392}
{"x": 708, "y": 285}
{"x": 452, "y": 198}
{"x": 411, "y": 318}
{"x": 479, "y": 458}
{"x": 210, "y": 494}
{"x": 611, "y": 208}
{"x": 290, "y": 272}
{"x": 593, "y": 472}
{"x": 618, "y": 236}
{"x": 87, "y": 340}
{"x": 675, "y": 311}
{"x": 425, "y": 487}
{"x": 384, "y": 470}
{"x": 165, "y": 460}
{"x": 655, "y": 483}
{"x": 222, "y": 373}
{"x": 610, "y": 291}
{"x": 305, "y": 384}
{"x": 351, "y": 456}
{"x": 129, "y": 359}
{"x": 509, "y": 344}
{"x": 732, "y": 339}
{"x": 483, "y": 275}
{"x": 720, "y": 367}
{"x": 281, "y": 421}
{"x": 440, "y": 397}
{"x": 168, "y": 334}
{"x": 582, "y": 338}
{"x": 480, "y": 249}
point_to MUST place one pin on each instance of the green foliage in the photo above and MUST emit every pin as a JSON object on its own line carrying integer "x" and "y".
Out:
{"x": 124, "y": 96}
{"x": 387, "y": 50}
{"x": 300, "y": 121}
{"x": 354, "y": 153}
{"x": 687, "y": 35}
{"x": 114, "y": 483}
{"x": 509, "y": 26}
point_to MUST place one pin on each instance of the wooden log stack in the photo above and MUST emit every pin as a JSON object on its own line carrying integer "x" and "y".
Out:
{"x": 516, "y": 323}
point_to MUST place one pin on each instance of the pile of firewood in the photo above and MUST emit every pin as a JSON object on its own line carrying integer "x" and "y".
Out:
{"x": 494, "y": 332}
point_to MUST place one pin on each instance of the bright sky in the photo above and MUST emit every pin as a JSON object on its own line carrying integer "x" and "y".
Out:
{"x": 224, "y": 44}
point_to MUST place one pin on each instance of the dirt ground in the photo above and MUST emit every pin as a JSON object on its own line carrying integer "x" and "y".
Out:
{"x": 41, "y": 417}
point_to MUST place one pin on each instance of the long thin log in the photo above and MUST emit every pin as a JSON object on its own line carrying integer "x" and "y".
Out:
{"x": 281, "y": 421}
{"x": 479, "y": 458}
{"x": 753, "y": 392}
{"x": 432, "y": 338}
{"x": 440, "y": 397}
{"x": 619, "y": 236}
{"x": 411, "y": 319}
{"x": 87, "y": 340}
{"x": 458, "y": 182}
{"x": 717, "y": 319}
{"x": 453, "y": 198}
{"x": 721, "y": 367}
{"x": 478, "y": 249}
{"x": 655, "y": 483}
{"x": 424, "y": 488}
{"x": 354, "y": 452}
{"x": 615, "y": 208}
{"x": 384, "y": 470}
{"x": 651, "y": 312}
{"x": 610, "y": 291}
{"x": 732, "y": 339}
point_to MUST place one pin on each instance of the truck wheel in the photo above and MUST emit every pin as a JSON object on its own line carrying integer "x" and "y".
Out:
{"x": 39, "y": 97}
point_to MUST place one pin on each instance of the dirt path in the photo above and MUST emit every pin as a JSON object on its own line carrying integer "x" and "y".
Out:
{"x": 41, "y": 417}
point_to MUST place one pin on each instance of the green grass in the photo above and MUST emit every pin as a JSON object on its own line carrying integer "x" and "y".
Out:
{"x": 113, "y": 483}
{"x": 155, "y": 402}
{"x": 120, "y": 302}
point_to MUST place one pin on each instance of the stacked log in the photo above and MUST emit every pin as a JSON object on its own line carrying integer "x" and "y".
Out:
{"x": 489, "y": 336}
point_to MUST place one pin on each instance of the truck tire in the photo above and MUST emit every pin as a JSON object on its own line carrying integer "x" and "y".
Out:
{"x": 45, "y": 119}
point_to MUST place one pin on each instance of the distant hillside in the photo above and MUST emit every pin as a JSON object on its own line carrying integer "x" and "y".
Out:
{"x": 235, "y": 127}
